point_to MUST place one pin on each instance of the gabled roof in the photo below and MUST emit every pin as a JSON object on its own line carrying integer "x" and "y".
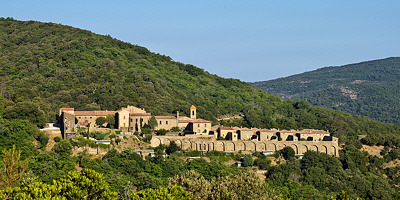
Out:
{"x": 94, "y": 113}
{"x": 140, "y": 114}
{"x": 67, "y": 109}
{"x": 165, "y": 117}
{"x": 225, "y": 128}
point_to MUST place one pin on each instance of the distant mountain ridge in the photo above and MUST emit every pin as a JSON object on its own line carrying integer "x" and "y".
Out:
{"x": 369, "y": 88}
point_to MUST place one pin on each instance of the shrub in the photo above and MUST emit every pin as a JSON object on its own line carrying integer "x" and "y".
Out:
{"x": 57, "y": 139}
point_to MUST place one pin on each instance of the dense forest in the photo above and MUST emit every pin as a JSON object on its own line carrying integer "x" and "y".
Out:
{"x": 45, "y": 66}
{"x": 368, "y": 88}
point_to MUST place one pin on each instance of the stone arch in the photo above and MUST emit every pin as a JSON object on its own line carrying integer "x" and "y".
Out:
{"x": 240, "y": 146}
{"x": 156, "y": 141}
{"x": 280, "y": 146}
{"x": 193, "y": 146}
{"x": 271, "y": 147}
{"x": 324, "y": 149}
{"x": 219, "y": 146}
{"x": 303, "y": 148}
{"x": 167, "y": 141}
{"x": 178, "y": 143}
{"x": 250, "y": 146}
{"x": 295, "y": 148}
{"x": 229, "y": 146}
{"x": 186, "y": 144}
{"x": 262, "y": 146}
{"x": 313, "y": 148}
{"x": 211, "y": 146}
{"x": 334, "y": 151}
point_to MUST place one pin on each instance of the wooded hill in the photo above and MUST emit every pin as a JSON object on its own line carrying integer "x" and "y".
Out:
{"x": 368, "y": 88}
{"x": 45, "y": 66}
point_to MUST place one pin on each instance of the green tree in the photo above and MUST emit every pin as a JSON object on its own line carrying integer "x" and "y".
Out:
{"x": 1, "y": 105}
{"x": 153, "y": 123}
{"x": 161, "y": 132}
{"x": 172, "y": 148}
{"x": 287, "y": 153}
{"x": 248, "y": 160}
{"x": 110, "y": 120}
{"x": 63, "y": 148}
{"x": 262, "y": 163}
{"x": 175, "y": 129}
{"x": 100, "y": 121}
{"x": 86, "y": 184}
{"x": 13, "y": 168}
{"x": 170, "y": 193}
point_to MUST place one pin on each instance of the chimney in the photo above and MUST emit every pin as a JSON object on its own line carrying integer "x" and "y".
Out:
{"x": 177, "y": 118}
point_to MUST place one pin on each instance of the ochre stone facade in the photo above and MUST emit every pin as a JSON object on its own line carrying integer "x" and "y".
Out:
{"x": 209, "y": 143}
{"x": 131, "y": 119}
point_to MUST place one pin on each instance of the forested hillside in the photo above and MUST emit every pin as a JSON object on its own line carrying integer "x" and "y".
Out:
{"x": 45, "y": 66}
{"x": 369, "y": 88}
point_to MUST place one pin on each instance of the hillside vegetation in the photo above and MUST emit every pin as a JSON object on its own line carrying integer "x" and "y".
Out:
{"x": 369, "y": 88}
{"x": 45, "y": 66}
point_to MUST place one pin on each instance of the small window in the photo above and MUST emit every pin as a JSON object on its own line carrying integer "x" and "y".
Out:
{"x": 136, "y": 120}
{"x": 79, "y": 117}
{"x": 166, "y": 122}
{"x": 205, "y": 125}
{"x": 124, "y": 117}
{"x": 198, "y": 125}
{"x": 90, "y": 117}
{"x": 160, "y": 122}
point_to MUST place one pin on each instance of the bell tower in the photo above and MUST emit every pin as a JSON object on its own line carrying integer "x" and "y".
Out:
{"x": 193, "y": 112}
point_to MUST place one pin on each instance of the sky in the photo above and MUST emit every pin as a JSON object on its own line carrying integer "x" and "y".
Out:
{"x": 248, "y": 40}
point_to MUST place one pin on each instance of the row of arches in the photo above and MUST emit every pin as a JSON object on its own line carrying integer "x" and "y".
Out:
{"x": 300, "y": 147}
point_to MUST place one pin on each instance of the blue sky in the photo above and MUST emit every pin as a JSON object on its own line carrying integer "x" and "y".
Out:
{"x": 248, "y": 40}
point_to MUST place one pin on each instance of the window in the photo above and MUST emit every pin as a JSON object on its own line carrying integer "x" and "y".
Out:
{"x": 198, "y": 125}
{"x": 205, "y": 125}
{"x": 124, "y": 124}
{"x": 160, "y": 122}
{"x": 166, "y": 122}
{"x": 124, "y": 117}
{"x": 79, "y": 117}
{"x": 90, "y": 117}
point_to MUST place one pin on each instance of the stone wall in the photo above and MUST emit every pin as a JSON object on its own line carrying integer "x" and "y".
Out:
{"x": 208, "y": 143}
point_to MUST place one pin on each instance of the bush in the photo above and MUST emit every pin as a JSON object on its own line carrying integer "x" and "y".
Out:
{"x": 99, "y": 136}
{"x": 248, "y": 160}
{"x": 161, "y": 132}
{"x": 57, "y": 139}
{"x": 262, "y": 163}
{"x": 147, "y": 139}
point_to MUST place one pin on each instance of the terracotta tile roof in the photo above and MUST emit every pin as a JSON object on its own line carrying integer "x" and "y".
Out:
{"x": 313, "y": 131}
{"x": 165, "y": 117}
{"x": 83, "y": 123}
{"x": 194, "y": 121}
{"x": 94, "y": 113}
{"x": 199, "y": 121}
{"x": 140, "y": 114}
{"x": 67, "y": 109}
{"x": 225, "y": 128}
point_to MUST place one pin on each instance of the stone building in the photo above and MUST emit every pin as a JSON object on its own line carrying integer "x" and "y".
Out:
{"x": 131, "y": 119}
